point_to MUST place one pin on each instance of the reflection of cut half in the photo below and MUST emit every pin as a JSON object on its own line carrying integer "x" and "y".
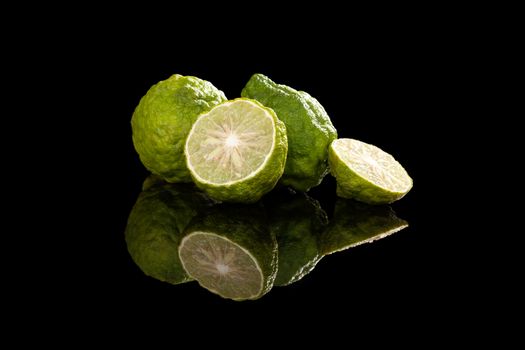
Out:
{"x": 356, "y": 223}
{"x": 297, "y": 221}
{"x": 231, "y": 252}
{"x": 156, "y": 224}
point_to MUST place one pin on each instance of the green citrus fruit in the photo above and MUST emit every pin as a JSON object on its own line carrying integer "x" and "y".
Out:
{"x": 231, "y": 252}
{"x": 308, "y": 127}
{"x": 156, "y": 225}
{"x": 236, "y": 152}
{"x": 297, "y": 222}
{"x": 356, "y": 223}
{"x": 366, "y": 173}
{"x": 163, "y": 118}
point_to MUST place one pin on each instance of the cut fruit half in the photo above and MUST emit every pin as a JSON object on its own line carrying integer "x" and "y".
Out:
{"x": 366, "y": 173}
{"x": 237, "y": 151}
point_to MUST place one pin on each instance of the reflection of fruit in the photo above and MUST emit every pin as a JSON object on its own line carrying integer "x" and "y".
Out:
{"x": 308, "y": 127}
{"x": 356, "y": 223}
{"x": 366, "y": 173}
{"x": 164, "y": 117}
{"x": 231, "y": 252}
{"x": 297, "y": 221}
{"x": 155, "y": 228}
{"x": 236, "y": 152}
{"x": 152, "y": 181}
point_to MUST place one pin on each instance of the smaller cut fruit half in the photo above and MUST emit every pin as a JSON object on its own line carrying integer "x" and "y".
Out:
{"x": 366, "y": 173}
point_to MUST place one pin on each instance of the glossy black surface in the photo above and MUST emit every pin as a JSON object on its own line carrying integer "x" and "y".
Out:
{"x": 290, "y": 229}
{"x": 386, "y": 94}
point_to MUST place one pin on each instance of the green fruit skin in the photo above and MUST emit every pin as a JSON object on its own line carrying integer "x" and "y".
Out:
{"x": 356, "y": 223}
{"x": 245, "y": 225}
{"x": 297, "y": 221}
{"x": 163, "y": 118}
{"x": 252, "y": 189}
{"x": 308, "y": 126}
{"x": 352, "y": 186}
{"x": 156, "y": 225}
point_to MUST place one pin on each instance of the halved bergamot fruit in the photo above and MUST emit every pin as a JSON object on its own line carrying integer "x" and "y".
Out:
{"x": 236, "y": 152}
{"x": 366, "y": 173}
{"x": 231, "y": 252}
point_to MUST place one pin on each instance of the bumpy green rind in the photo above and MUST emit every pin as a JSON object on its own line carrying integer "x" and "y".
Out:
{"x": 156, "y": 225}
{"x": 297, "y": 221}
{"x": 352, "y": 186}
{"x": 308, "y": 126}
{"x": 252, "y": 189}
{"x": 163, "y": 118}
{"x": 245, "y": 225}
{"x": 356, "y": 223}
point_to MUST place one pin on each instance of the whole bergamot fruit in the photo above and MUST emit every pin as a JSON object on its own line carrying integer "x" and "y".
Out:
{"x": 163, "y": 118}
{"x": 308, "y": 128}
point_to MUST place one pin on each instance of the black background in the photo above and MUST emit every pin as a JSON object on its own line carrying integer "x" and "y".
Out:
{"x": 391, "y": 84}
{"x": 381, "y": 97}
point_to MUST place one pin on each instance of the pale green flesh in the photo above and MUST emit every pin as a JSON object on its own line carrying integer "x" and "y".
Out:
{"x": 221, "y": 266}
{"x": 230, "y": 142}
{"x": 373, "y": 164}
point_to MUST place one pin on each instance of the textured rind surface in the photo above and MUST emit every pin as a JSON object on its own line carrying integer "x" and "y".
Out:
{"x": 352, "y": 186}
{"x": 156, "y": 225}
{"x": 252, "y": 189}
{"x": 245, "y": 225}
{"x": 163, "y": 118}
{"x": 356, "y": 223}
{"x": 308, "y": 126}
{"x": 297, "y": 221}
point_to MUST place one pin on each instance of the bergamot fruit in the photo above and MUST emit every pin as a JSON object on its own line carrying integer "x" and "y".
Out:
{"x": 163, "y": 118}
{"x": 308, "y": 127}
{"x": 236, "y": 152}
{"x": 366, "y": 173}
